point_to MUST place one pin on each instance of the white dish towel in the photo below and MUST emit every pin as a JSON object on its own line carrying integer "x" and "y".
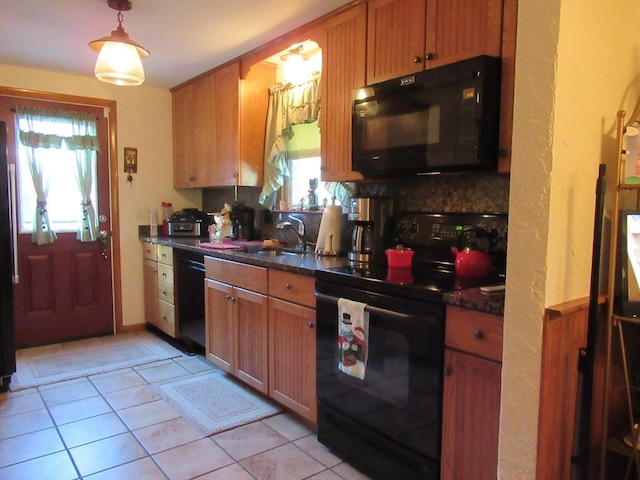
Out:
{"x": 353, "y": 337}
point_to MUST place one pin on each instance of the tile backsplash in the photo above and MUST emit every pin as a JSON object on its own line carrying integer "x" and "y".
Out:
{"x": 486, "y": 193}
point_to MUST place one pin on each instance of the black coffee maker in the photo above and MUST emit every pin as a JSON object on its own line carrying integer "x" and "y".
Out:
{"x": 242, "y": 218}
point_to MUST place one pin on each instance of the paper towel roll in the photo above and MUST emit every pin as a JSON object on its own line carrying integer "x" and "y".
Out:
{"x": 328, "y": 242}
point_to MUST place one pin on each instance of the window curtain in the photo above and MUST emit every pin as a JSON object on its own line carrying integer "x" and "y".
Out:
{"x": 40, "y": 129}
{"x": 288, "y": 105}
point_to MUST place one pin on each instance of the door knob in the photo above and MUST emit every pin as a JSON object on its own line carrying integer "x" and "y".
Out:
{"x": 103, "y": 238}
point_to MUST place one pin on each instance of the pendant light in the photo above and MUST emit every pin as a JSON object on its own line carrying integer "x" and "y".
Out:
{"x": 119, "y": 59}
{"x": 294, "y": 59}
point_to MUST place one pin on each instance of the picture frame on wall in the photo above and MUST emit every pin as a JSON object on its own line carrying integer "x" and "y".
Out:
{"x": 630, "y": 262}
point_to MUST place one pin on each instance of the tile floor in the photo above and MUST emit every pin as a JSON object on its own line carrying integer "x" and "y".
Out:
{"x": 113, "y": 426}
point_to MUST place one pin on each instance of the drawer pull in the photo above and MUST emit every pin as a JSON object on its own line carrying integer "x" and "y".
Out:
{"x": 417, "y": 59}
{"x": 446, "y": 371}
{"x": 228, "y": 297}
{"x": 478, "y": 334}
{"x": 287, "y": 286}
{"x": 164, "y": 274}
{"x": 310, "y": 325}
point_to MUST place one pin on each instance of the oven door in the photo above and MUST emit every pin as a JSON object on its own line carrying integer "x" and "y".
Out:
{"x": 390, "y": 421}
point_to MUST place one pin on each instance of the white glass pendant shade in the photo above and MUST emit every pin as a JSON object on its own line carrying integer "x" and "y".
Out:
{"x": 294, "y": 68}
{"x": 120, "y": 64}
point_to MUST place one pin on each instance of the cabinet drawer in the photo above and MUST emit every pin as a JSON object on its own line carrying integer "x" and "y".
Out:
{"x": 165, "y": 292}
{"x": 165, "y": 273}
{"x": 474, "y": 332}
{"x": 149, "y": 251}
{"x": 165, "y": 254}
{"x": 166, "y": 318}
{"x": 240, "y": 275}
{"x": 292, "y": 287}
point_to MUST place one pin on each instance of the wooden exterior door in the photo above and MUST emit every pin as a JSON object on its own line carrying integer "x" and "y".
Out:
{"x": 64, "y": 290}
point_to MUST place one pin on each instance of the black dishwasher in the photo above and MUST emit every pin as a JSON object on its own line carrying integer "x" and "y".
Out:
{"x": 190, "y": 295}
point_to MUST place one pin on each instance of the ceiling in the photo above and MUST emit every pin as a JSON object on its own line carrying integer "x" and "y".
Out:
{"x": 185, "y": 37}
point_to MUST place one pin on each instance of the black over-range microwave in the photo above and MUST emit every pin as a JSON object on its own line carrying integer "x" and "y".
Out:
{"x": 444, "y": 119}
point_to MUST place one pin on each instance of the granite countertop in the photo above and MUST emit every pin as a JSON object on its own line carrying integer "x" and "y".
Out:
{"x": 305, "y": 264}
{"x": 308, "y": 263}
{"x": 474, "y": 299}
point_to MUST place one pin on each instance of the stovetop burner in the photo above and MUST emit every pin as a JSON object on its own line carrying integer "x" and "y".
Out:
{"x": 432, "y": 273}
{"x": 419, "y": 282}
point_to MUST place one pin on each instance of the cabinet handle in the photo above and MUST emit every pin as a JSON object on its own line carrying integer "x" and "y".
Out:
{"x": 417, "y": 59}
{"x": 310, "y": 325}
{"x": 446, "y": 371}
{"x": 428, "y": 56}
{"x": 287, "y": 286}
{"x": 478, "y": 334}
{"x": 228, "y": 297}
{"x": 164, "y": 274}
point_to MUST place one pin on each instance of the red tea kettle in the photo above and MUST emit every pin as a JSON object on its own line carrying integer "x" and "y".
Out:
{"x": 472, "y": 259}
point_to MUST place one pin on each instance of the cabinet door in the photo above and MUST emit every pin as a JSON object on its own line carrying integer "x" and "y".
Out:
{"x": 343, "y": 42}
{"x": 292, "y": 357}
{"x": 225, "y": 158}
{"x": 183, "y": 136}
{"x": 395, "y": 38}
{"x": 219, "y": 324}
{"x": 470, "y": 417}
{"x": 251, "y": 336}
{"x": 150, "y": 279}
{"x": 462, "y": 29}
{"x": 204, "y": 107}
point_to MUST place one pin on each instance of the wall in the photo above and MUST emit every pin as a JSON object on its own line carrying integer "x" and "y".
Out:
{"x": 577, "y": 63}
{"x": 144, "y": 122}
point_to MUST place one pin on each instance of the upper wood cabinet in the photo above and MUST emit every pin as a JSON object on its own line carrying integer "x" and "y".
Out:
{"x": 218, "y": 128}
{"x": 343, "y": 43}
{"x": 406, "y": 36}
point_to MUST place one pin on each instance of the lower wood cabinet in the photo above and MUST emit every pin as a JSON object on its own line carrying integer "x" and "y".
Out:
{"x": 236, "y": 321}
{"x": 260, "y": 328}
{"x": 159, "y": 297}
{"x": 471, "y": 402}
{"x": 292, "y": 357}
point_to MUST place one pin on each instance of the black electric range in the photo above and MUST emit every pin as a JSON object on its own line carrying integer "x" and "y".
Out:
{"x": 387, "y": 420}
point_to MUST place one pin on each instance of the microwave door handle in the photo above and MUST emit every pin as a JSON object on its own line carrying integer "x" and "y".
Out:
{"x": 371, "y": 309}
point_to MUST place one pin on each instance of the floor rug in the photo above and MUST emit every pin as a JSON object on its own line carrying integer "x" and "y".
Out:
{"x": 216, "y": 402}
{"x": 39, "y": 366}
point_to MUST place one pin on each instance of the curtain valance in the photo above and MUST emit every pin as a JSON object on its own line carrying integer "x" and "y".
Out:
{"x": 35, "y": 129}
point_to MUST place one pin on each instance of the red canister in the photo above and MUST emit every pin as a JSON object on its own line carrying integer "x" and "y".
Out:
{"x": 399, "y": 257}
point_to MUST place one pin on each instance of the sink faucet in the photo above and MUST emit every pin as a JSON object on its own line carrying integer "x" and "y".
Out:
{"x": 297, "y": 231}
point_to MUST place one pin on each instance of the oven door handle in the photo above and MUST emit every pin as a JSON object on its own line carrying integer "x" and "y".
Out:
{"x": 371, "y": 309}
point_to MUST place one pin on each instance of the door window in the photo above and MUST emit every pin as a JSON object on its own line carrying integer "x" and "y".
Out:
{"x": 64, "y": 198}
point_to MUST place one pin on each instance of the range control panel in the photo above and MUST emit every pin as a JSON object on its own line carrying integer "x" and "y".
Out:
{"x": 487, "y": 231}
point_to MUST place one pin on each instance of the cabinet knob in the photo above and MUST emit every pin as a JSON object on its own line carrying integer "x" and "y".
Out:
{"x": 287, "y": 286}
{"x": 478, "y": 334}
{"x": 428, "y": 56}
{"x": 310, "y": 325}
{"x": 446, "y": 371}
{"x": 164, "y": 274}
{"x": 228, "y": 297}
{"x": 417, "y": 59}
